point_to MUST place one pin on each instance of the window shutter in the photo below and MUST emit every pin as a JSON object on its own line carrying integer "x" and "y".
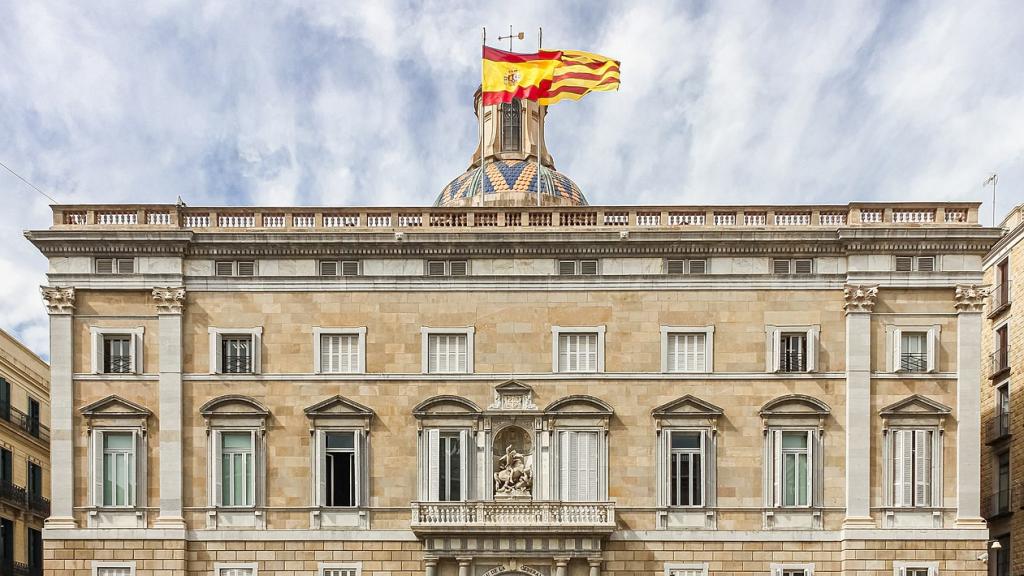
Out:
{"x": 97, "y": 352}
{"x": 593, "y": 457}
{"x": 675, "y": 266}
{"x": 126, "y": 266}
{"x": 567, "y": 268}
{"x": 811, "y": 448}
{"x": 135, "y": 352}
{"x": 698, "y": 266}
{"x": 460, "y": 345}
{"x": 104, "y": 266}
{"x": 464, "y": 453}
{"x": 458, "y": 268}
{"x": 803, "y": 266}
{"x": 672, "y": 352}
{"x": 897, "y": 467}
{"x": 224, "y": 268}
{"x": 328, "y": 268}
{"x": 255, "y": 490}
{"x": 698, "y": 348}
{"x": 139, "y": 496}
{"x": 435, "y": 268}
{"x": 247, "y": 268}
{"x": 216, "y": 482}
{"x": 326, "y": 354}
{"x": 780, "y": 266}
{"x": 923, "y": 464}
{"x": 812, "y": 350}
{"x": 933, "y": 349}
{"x": 574, "y": 466}
{"x": 588, "y": 267}
{"x": 925, "y": 263}
{"x": 776, "y": 440}
{"x": 776, "y": 349}
{"x": 433, "y": 464}
{"x": 897, "y": 350}
{"x": 350, "y": 268}
{"x": 320, "y": 469}
{"x": 904, "y": 263}
{"x": 563, "y": 465}
{"x": 361, "y": 461}
{"x": 907, "y": 497}
{"x": 97, "y": 467}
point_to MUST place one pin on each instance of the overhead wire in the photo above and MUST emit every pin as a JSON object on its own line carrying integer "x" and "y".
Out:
{"x": 33, "y": 186}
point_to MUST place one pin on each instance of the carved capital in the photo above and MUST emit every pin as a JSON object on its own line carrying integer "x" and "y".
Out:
{"x": 58, "y": 300}
{"x": 859, "y": 298}
{"x": 169, "y": 300}
{"x": 970, "y": 297}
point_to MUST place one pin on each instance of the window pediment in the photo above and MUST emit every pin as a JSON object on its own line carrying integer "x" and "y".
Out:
{"x": 915, "y": 410}
{"x": 339, "y": 410}
{"x": 234, "y": 410}
{"x": 794, "y": 409}
{"x": 579, "y": 410}
{"x": 446, "y": 410}
{"x": 686, "y": 410}
{"x": 114, "y": 406}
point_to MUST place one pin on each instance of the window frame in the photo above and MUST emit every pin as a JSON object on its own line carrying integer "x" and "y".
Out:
{"x": 601, "y": 465}
{"x": 430, "y": 481}
{"x": 360, "y": 460}
{"x": 894, "y": 347}
{"x": 447, "y": 268}
{"x": 427, "y": 331}
{"x": 774, "y": 469}
{"x": 890, "y": 469}
{"x": 672, "y": 568}
{"x": 779, "y": 569}
{"x": 709, "y": 347}
{"x": 577, "y": 269}
{"x": 115, "y": 266}
{"x": 323, "y": 567}
{"x": 98, "y": 565}
{"x": 558, "y": 331}
{"x": 773, "y": 344}
{"x": 900, "y": 567}
{"x": 318, "y": 334}
{"x": 706, "y": 445}
{"x": 97, "y": 468}
{"x": 98, "y": 335}
{"x": 217, "y": 335}
{"x": 513, "y": 129}
{"x": 216, "y": 459}
{"x": 220, "y": 567}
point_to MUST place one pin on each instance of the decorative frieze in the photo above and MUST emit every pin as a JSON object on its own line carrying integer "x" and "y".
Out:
{"x": 859, "y": 298}
{"x": 970, "y": 297}
{"x": 58, "y": 300}
{"x": 169, "y": 300}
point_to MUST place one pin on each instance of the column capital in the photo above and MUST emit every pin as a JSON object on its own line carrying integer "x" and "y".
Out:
{"x": 970, "y": 297}
{"x": 58, "y": 300}
{"x": 169, "y": 300}
{"x": 561, "y": 560}
{"x": 859, "y": 298}
{"x": 595, "y": 562}
{"x": 464, "y": 560}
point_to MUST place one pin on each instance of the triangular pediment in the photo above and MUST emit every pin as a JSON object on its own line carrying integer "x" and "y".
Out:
{"x": 916, "y": 405}
{"x": 338, "y": 406}
{"x": 688, "y": 405}
{"x": 513, "y": 387}
{"x": 114, "y": 406}
{"x": 795, "y": 405}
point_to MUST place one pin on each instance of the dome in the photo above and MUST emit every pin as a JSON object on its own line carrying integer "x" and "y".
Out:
{"x": 511, "y": 182}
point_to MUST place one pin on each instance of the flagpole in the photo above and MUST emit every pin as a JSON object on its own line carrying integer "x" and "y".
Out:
{"x": 480, "y": 113}
{"x": 540, "y": 121}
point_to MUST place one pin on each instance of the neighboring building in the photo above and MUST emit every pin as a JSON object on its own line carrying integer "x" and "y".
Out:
{"x": 489, "y": 386}
{"x": 1002, "y": 406}
{"x": 24, "y": 457}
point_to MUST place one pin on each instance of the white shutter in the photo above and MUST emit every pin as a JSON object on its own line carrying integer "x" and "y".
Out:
{"x": 361, "y": 457}
{"x": 672, "y": 352}
{"x": 812, "y": 350}
{"x": 698, "y": 352}
{"x": 897, "y": 467}
{"x": 215, "y": 468}
{"x": 776, "y": 446}
{"x": 563, "y": 352}
{"x": 97, "y": 467}
{"x": 141, "y": 470}
{"x": 563, "y": 465}
{"x": 256, "y": 489}
{"x": 593, "y": 460}
{"x": 137, "y": 353}
{"x": 464, "y": 464}
{"x": 933, "y": 349}
{"x": 433, "y": 464}
{"x": 97, "y": 352}
{"x": 810, "y": 467}
{"x": 897, "y": 350}
{"x": 907, "y": 465}
{"x": 923, "y": 465}
{"x": 776, "y": 349}
{"x": 320, "y": 438}
{"x": 574, "y": 466}
{"x": 460, "y": 345}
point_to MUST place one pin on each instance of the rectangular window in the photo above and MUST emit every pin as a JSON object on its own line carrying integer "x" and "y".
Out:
{"x": 686, "y": 468}
{"x": 578, "y": 465}
{"x": 914, "y": 351}
{"x": 915, "y": 263}
{"x": 6, "y": 542}
{"x": 687, "y": 352}
{"x": 796, "y": 472}
{"x": 235, "y": 268}
{"x": 35, "y": 552}
{"x": 577, "y": 267}
{"x": 35, "y": 480}
{"x": 450, "y": 467}
{"x": 238, "y": 468}
{"x": 118, "y": 469}
{"x": 339, "y": 353}
{"x": 915, "y": 571}
{"x": 446, "y": 353}
{"x": 117, "y": 354}
{"x": 236, "y": 354}
{"x": 1001, "y": 357}
{"x": 1001, "y": 499}
{"x": 340, "y": 469}
{"x": 912, "y": 467}
{"x": 6, "y": 466}
{"x": 577, "y": 352}
{"x": 5, "y": 399}
{"x": 1002, "y": 556}
{"x": 33, "y": 417}
{"x": 113, "y": 571}
{"x": 115, "y": 265}
{"x": 1001, "y": 293}
{"x": 447, "y": 268}
{"x": 338, "y": 572}
{"x": 1002, "y": 425}
{"x": 687, "y": 571}
{"x": 793, "y": 352}
{"x": 797, "y": 266}
{"x": 236, "y": 571}
{"x": 328, "y": 268}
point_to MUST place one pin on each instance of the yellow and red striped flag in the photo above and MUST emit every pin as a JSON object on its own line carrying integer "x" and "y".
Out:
{"x": 547, "y": 76}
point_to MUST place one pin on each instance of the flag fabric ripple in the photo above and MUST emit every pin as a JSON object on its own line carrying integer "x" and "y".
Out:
{"x": 547, "y": 76}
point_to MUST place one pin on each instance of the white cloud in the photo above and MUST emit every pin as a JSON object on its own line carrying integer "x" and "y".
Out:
{"x": 369, "y": 103}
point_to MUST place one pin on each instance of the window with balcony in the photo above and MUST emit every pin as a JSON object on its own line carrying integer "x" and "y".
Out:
{"x": 116, "y": 350}
{"x": 34, "y": 485}
{"x": 6, "y": 546}
{"x": 447, "y": 466}
{"x": 578, "y": 349}
{"x": 1001, "y": 292}
{"x": 912, "y": 349}
{"x": 6, "y": 466}
{"x": 1000, "y": 358}
{"x": 5, "y": 399}
{"x": 339, "y": 350}
{"x": 33, "y": 419}
{"x": 447, "y": 350}
{"x": 1001, "y": 424}
{"x": 235, "y": 350}
{"x": 792, "y": 349}
{"x": 687, "y": 349}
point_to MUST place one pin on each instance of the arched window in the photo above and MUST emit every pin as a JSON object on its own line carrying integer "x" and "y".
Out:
{"x": 511, "y": 126}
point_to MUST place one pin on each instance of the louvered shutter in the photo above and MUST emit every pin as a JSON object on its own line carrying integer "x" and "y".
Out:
{"x": 328, "y": 354}
{"x": 460, "y": 344}
{"x": 803, "y": 266}
{"x": 328, "y": 268}
{"x": 458, "y": 268}
{"x": 907, "y": 468}
{"x": 567, "y": 268}
{"x": 104, "y": 266}
{"x": 780, "y": 266}
{"x": 349, "y": 353}
{"x": 350, "y": 268}
{"x": 812, "y": 350}
{"x": 698, "y": 266}
{"x": 247, "y": 268}
{"x": 675, "y": 266}
{"x": 904, "y": 263}
{"x": 126, "y": 266}
{"x": 588, "y": 267}
{"x": 923, "y": 467}
{"x": 811, "y": 448}
{"x": 925, "y": 263}
{"x": 933, "y": 349}
{"x": 433, "y": 464}
{"x": 224, "y": 268}
{"x": 776, "y": 440}
{"x": 897, "y": 350}
{"x": 563, "y": 465}
{"x": 464, "y": 454}
{"x": 897, "y": 468}
{"x": 435, "y": 268}
{"x": 593, "y": 461}
{"x": 361, "y": 461}
{"x": 321, "y": 467}
{"x": 672, "y": 352}
{"x": 141, "y": 468}
{"x": 776, "y": 349}
{"x": 216, "y": 482}
{"x": 97, "y": 467}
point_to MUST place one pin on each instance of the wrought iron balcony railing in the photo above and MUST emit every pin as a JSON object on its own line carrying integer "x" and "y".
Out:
{"x": 914, "y": 361}
{"x": 999, "y": 427}
{"x": 999, "y": 297}
{"x": 999, "y": 360}
{"x": 117, "y": 364}
{"x": 236, "y": 363}
{"x": 527, "y": 516}
{"x": 28, "y": 424}
{"x": 792, "y": 362}
{"x": 39, "y": 505}
{"x": 22, "y": 498}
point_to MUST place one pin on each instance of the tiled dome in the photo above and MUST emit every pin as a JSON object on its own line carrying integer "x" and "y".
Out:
{"x": 516, "y": 176}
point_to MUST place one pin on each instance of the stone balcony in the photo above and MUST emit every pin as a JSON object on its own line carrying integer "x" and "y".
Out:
{"x": 524, "y": 517}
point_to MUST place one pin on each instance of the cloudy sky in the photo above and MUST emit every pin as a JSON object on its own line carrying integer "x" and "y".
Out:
{"x": 369, "y": 103}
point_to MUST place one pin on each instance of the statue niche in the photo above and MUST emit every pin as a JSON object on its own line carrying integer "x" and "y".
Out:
{"x": 513, "y": 476}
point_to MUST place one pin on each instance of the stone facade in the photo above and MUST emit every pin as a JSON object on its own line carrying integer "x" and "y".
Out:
{"x": 24, "y": 441}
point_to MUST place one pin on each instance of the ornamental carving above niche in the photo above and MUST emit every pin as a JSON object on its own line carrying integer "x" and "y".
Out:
{"x": 970, "y": 297}
{"x": 512, "y": 395}
{"x": 169, "y": 300}
{"x": 859, "y": 298}
{"x": 58, "y": 300}
{"x": 513, "y": 476}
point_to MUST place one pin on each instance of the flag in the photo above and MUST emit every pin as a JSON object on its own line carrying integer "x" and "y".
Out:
{"x": 547, "y": 76}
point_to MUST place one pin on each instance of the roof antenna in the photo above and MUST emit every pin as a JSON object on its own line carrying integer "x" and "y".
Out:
{"x": 992, "y": 180}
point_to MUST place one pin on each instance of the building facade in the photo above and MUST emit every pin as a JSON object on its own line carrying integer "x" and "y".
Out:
{"x": 24, "y": 457}
{"x": 1004, "y": 358}
{"x": 515, "y": 382}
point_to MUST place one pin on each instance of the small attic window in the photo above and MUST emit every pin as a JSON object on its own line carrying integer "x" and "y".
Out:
{"x": 511, "y": 126}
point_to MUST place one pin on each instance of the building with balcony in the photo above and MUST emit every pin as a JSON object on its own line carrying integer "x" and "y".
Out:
{"x": 1003, "y": 341}
{"x": 513, "y": 381}
{"x": 24, "y": 457}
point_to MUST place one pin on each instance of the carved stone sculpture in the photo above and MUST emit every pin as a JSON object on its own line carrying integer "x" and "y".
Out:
{"x": 514, "y": 477}
{"x": 859, "y": 298}
{"x": 970, "y": 297}
{"x": 169, "y": 300}
{"x": 58, "y": 300}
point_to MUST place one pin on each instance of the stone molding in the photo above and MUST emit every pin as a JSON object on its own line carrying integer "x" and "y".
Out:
{"x": 169, "y": 300}
{"x": 859, "y": 298}
{"x": 970, "y": 298}
{"x": 58, "y": 300}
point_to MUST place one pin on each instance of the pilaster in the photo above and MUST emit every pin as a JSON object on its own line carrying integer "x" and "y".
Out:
{"x": 969, "y": 302}
{"x": 860, "y": 301}
{"x": 170, "y": 303}
{"x": 60, "y": 304}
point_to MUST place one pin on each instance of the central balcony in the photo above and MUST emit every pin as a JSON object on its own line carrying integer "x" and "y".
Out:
{"x": 525, "y": 517}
